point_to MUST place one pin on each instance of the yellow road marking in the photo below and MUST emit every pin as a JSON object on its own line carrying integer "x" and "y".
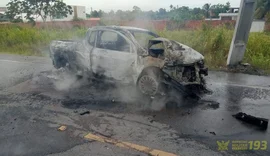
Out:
{"x": 119, "y": 143}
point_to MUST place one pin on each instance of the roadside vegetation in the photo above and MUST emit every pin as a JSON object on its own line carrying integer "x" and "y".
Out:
{"x": 212, "y": 42}
{"x": 27, "y": 40}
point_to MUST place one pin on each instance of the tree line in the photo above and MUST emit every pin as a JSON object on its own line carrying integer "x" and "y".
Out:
{"x": 174, "y": 13}
{"x": 45, "y": 9}
{"x": 181, "y": 13}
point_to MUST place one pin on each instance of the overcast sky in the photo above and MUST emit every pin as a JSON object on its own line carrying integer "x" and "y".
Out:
{"x": 145, "y": 5}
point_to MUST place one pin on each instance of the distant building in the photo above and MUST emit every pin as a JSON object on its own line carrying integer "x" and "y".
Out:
{"x": 3, "y": 18}
{"x": 3, "y": 9}
{"x": 257, "y": 26}
{"x": 230, "y": 15}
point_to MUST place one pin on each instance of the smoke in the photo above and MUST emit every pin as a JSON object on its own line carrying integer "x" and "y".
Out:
{"x": 105, "y": 89}
{"x": 65, "y": 84}
{"x": 64, "y": 80}
{"x": 158, "y": 104}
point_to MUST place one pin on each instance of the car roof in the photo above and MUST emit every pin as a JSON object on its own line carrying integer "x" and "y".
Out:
{"x": 121, "y": 27}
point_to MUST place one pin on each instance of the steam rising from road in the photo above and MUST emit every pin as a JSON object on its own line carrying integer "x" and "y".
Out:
{"x": 104, "y": 90}
{"x": 63, "y": 80}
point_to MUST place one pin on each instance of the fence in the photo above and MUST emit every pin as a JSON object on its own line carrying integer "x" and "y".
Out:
{"x": 67, "y": 24}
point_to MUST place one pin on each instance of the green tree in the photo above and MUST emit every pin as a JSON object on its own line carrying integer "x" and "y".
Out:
{"x": 180, "y": 14}
{"x": 15, "y": 11}
{"x": 197, "y": 13}
{"x": 219, "y": 8}
{"x": 171, "y": 6}
{"x": 161, "y": 13}
{"x": 263, "y": 8}
{"x": 136, "y": 9}
{"x": 206, "y": 8}
{"x": 37, "y": 8}
{"x": 95, "y": 14}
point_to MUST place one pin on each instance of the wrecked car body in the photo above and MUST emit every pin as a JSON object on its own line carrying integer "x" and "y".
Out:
{"x": 132, "y": 55}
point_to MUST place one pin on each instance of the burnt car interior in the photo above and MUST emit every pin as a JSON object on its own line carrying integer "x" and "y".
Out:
{"x": 156, "y": 48}
{"x": 143, "y": 37}
{"x": 112, "y": 41}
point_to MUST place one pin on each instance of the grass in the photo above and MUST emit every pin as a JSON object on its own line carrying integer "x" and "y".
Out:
{"x": 26, "y": 40}
{"x": 213, "y": 43}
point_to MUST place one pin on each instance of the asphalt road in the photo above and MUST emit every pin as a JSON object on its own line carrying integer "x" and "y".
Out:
{"x": 15, "y": 69}
{"x": 35, "y": 100}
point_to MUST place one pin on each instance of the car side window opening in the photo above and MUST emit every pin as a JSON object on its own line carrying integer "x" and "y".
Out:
{"x": 113, "y": 41}
{"x": 156, "y": 49}
{"x": 92, "y": 38}
{"x": 143, "y": 38}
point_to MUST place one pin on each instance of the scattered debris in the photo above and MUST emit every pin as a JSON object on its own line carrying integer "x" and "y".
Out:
{"x": 261, "y": 122}
{"x": 86, "y": 112}
{"x": 244, "y": 68}
{"x": 62, "y": 128}
{"x": 212, "y": 133}
{"x": 209, "y": 104}
{"x": 245, "y": 64}
{"x": 214, "y": 105}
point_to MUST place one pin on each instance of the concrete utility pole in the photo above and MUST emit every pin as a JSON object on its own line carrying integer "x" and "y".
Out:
{"x": 241, "y": 32}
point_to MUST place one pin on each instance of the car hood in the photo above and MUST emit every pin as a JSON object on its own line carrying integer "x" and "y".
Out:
{"x": 178, "y": 52}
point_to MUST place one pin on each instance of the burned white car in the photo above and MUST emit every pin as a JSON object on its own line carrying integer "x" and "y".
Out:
{"x": 133, "y": 55}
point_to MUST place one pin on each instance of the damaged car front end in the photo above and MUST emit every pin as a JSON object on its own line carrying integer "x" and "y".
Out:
{"x": 182, "y": 67}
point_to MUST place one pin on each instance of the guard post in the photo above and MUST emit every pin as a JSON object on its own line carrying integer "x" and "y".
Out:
{"x": 241, "y": 32}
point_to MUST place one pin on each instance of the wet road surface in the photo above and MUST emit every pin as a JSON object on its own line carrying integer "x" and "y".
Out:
{"x": 35, "y": 103}
{"x": 15, "y": 69}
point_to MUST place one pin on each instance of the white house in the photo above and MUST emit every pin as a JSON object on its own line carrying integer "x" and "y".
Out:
{"x": 232, "y": 14}
{"x": 228, "y": 16}
{"x": 3, "y": 10}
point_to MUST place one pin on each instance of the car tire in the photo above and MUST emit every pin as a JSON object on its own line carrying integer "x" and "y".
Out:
{"x": 150, "y": 82}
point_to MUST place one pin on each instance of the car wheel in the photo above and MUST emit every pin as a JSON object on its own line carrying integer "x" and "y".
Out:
{"x": 149, "y": 82}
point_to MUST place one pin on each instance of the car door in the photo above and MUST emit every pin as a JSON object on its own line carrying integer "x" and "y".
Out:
{"x": 114, "y": 55}
{"x": 85, "y": 48}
